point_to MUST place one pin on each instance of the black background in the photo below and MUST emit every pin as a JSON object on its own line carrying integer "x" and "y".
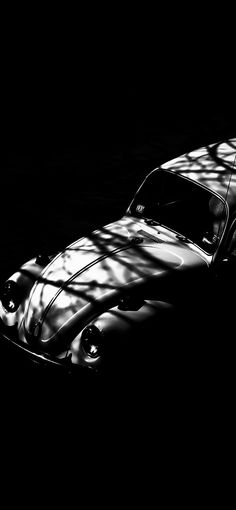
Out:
{"x": 83, "y": 121}
{"x": 75, "y": 147}
{"x": 81, "y": 124}
{"x": 76, "y": 141}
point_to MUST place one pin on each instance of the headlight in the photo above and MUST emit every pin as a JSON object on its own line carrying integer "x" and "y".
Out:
{"x": 92, "y": 341}
{"x": 10, "y": 296}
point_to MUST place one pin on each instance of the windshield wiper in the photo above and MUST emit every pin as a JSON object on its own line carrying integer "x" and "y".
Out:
{"x": 182, "y": 238}
{"x": 150, "y": 221}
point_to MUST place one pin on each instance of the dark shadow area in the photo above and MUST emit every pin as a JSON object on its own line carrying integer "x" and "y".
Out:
{"x": 71, "y": 163}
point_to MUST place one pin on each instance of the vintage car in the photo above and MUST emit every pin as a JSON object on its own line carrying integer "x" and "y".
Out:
{"x": 113, "y": 299}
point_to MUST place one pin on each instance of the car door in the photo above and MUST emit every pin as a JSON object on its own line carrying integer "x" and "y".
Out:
{"x": 225, "y": 272}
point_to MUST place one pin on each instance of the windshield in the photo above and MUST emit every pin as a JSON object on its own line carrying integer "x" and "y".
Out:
{"x": 183, "y": 206}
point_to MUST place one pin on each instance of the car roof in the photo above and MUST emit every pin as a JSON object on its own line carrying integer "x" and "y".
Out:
{"x": 213, "y": 165}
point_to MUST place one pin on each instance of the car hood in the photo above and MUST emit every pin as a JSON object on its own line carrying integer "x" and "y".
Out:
{"x": 90, "y": 275}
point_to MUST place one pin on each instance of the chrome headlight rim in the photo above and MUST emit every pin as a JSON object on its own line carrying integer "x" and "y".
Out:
{"x": 10, "y": 296}
{"x": 92, "y": 341}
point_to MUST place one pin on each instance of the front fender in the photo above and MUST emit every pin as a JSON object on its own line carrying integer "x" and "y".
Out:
{"x": 127, "y": 333}
{"x": 25, "y": 278}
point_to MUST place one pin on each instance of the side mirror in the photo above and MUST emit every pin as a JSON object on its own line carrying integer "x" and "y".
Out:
{"x": 225, "y": 266}
{"x": 222, "y": 271}
{"x": 225, "y": 260}
{"x": 230, "y": 259}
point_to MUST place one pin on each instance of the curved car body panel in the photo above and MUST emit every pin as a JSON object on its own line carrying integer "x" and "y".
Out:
{"x": 129, "y": 275}
{"x": 104, "y": 267}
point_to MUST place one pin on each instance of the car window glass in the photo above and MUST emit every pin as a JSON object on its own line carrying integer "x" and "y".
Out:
{"x": 183, "y": 206}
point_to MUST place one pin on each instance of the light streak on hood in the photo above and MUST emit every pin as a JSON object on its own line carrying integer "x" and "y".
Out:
{"x": 94, "y": 270}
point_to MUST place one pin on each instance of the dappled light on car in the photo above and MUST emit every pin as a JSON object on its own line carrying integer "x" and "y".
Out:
{"x": 213, "y": 165}
{"x": 128, "y": 278}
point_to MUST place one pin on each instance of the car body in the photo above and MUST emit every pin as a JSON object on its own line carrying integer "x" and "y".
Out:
{"x": 101, "y": 303}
